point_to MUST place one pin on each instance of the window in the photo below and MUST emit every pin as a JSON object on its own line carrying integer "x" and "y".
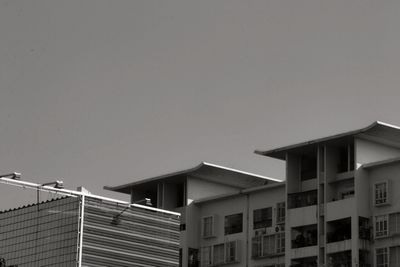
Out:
{"x": 394, "y": 223}
{"x": 193, "y": 257}
{"x": 233, "y": 224}
{"x": 280, "y": 212}
{"x": 206, "y": 256}
{"x": 394, "y": 256}
{"x": 220, "y": 254}
{"x": 268, "y": 245}
{"x": 381, "y": 226}
{"x": 231, "y": 252}
{"x": 381, "y": 193}
{"x": 382, "y": 257}
{"x": 207, "y": 226}
{"x": 280, "y": 243}
{"x": 256, "y": 250}
{"x": 262, "y": 218}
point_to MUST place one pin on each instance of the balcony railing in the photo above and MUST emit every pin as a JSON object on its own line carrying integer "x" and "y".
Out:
{"x": 303, "y": 199}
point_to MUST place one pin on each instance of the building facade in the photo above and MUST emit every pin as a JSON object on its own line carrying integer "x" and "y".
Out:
{"x": 86, "y": 230}
{"x": 244, "y": 229}
{"x": 229, "y": 217}
{"x": 342, "y": 209}
{"x": 337, "y": 208}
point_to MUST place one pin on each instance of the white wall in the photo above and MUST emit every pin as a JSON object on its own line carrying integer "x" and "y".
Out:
{"x": 368, "y": 151}
{"x": 242, "y": 203}
{"x": 198, "y": 189}
{"x": 392, "y": 173}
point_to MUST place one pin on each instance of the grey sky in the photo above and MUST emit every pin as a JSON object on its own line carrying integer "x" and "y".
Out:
{"x": 105, "y": 92}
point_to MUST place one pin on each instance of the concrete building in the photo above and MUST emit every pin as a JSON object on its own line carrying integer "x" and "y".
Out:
{"x": 229, "y": 217}
{"x": 243, "y": 229}
{"x": 85, "y": 230}
{"x": 342, "y": 206}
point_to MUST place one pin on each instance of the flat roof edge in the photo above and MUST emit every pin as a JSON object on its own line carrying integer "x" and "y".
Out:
{"x": 68, "y": 192}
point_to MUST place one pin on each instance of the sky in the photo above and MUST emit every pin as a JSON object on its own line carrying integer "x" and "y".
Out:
{"x": 99, "y": 92}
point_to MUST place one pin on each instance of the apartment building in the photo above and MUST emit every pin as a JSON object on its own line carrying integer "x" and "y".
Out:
{"x": 85, "y": 230}
{"x": 243, "y": 229}
{"x": 228, "y": 217}
{"x": 337, "y": 208}
{"x": 342, "y": 206}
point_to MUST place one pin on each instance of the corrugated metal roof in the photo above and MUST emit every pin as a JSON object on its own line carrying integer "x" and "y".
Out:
{"x": 33, "y": 204}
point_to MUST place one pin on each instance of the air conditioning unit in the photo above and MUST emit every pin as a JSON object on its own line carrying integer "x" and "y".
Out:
{"x": 260, "y": 232}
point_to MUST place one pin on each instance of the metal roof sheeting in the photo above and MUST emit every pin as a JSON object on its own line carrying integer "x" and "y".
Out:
{"x": 141, "y": 238}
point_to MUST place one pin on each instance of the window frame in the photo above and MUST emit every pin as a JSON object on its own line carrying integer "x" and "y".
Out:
{"x": 263, "y": 222}
{"x": 228, "y": 246}
{"x": 394, "y": 220}
{"x": 230, "y": 229}
{"x": 204, "y": 233}
{"x": 381, "y": 195}
{"x": 226, "y": 258}
{"x": 218, "y": 254}
{"x": 268, "y": 245}
{"x": 280, "y": 212}
{"x": 384, "y": 254}
{"x": 381, "y": 222}
{"x": 209, "y": 254}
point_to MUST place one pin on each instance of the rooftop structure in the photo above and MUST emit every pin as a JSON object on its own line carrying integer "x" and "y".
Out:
{"x": 81, "y": 229}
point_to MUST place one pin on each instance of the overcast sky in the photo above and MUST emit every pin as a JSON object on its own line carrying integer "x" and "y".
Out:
{"x": 101, "y": 92}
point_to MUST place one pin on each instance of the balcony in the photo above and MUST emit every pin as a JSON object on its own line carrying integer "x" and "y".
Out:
{"x": 304, "y": 252}
{"x": 340, "y": 209}
{"x": 304, "y": 262}
{"x": 339, "y": 230}
{"x": 341, "y": 259}
{"x": 338, "y": 246}
{"x": 302, "y": 216}
{"x": 302, "y": 199}
{"x": 305, "y": 236}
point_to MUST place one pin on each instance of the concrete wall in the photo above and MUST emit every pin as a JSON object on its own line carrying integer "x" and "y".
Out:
{"x": 246, "y": 204}
{"x": 220, "y": 209}
{"x": 367, "y": 151}
{"x": 265, "y": 199}
{"x": 389, "y": 173}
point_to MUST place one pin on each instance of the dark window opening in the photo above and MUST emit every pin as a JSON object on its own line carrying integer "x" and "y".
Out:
{"x": 262, "y": 218}
{"x": 308, "y": 169}
{"x": 233, "y": 224}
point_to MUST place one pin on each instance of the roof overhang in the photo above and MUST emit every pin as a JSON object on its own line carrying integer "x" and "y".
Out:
{"x": 205, "y": 171}
{"x": 381, "y": 163}
{"x": 378, "y": 131}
